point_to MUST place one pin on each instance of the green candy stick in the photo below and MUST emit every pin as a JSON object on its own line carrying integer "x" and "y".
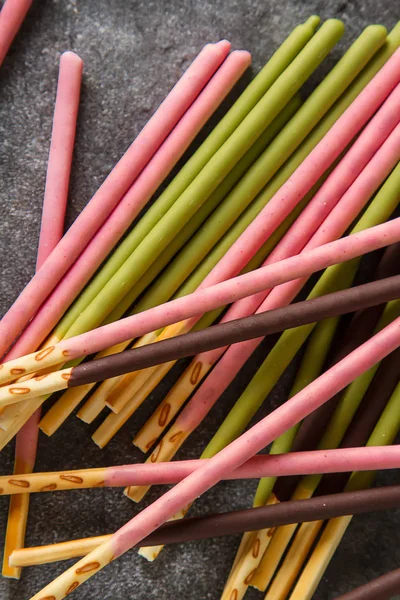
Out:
{"x": 282, "y": 58}
{"x": 380, "y": 209}
{"x": 311, "y": 366}
{"x": 223, "y": 161}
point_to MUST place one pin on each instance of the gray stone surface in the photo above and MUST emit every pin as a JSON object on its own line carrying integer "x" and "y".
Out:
{"x": 134, "y": 51}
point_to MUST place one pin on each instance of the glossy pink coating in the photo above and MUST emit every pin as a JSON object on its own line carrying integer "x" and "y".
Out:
{"x": 60, "y": 156}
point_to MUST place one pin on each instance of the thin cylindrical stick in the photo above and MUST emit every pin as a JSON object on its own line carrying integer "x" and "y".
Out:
{"x": 216, "y": 525}
{"x": 110, "y": 192}
{"x": 277, "y": 465}
{"x": 11, "y": 17}
{"x": 383, "y": 587}
{"x": 275, "y": 320}
{"x": 53, "y": 215}
{"x": 60, "y": 157}
{"x": 137, "y": 196}
{"x": 234, "y": 455}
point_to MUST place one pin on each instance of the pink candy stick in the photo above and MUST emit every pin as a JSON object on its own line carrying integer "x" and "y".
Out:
{"x": 11, "y": 17}
{"x": 140, "y": 192}
{"x": 54, "y": 205}
{"x": 293, "y": 242}
{"x": 334, "y": 226}
{"x": 111, "y": 191}
{"x": 60, "y": 157}
{"x": 210, "y": 298}
{"x": 278, "y": 465}
{"x": 263, "y": 465}
{"x": 229, "y": 459}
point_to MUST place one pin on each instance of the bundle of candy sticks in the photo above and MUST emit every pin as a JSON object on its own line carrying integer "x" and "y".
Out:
{"x": 280, "y": 190}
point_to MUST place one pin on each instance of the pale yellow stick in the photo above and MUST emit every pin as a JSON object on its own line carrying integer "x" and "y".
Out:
{"x": 41, "y": 555}
{"x": 19, "y": 420}
{"x": 113, "y": 423}
{"x": 150, "y": 553}
{"x": 37, "y": 361}
{"x": 170, "y": 406}
{"x": 294, "y": 560}
{"x": 244, "y": 546}
{"x": 74, "y": 396}
{"x": 320, "y": 558}
{"x": 276, "y": 549}
{"x": 48, "y": 482}
{"x": 242, "y": 574}
{"x": 10, "y": 413}
{"x": 127, "y": 388}
{"x": 136, "y": 493}
{"x": 163, "y": 452}
{"x": 16, "y": 524}
{"x": 33, "y": 388}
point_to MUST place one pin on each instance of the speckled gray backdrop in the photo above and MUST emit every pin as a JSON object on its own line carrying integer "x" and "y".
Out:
{"x": 134, "y": 52}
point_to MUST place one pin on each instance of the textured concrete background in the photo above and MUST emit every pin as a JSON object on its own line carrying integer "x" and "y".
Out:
{"x": 133, "y": 53}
